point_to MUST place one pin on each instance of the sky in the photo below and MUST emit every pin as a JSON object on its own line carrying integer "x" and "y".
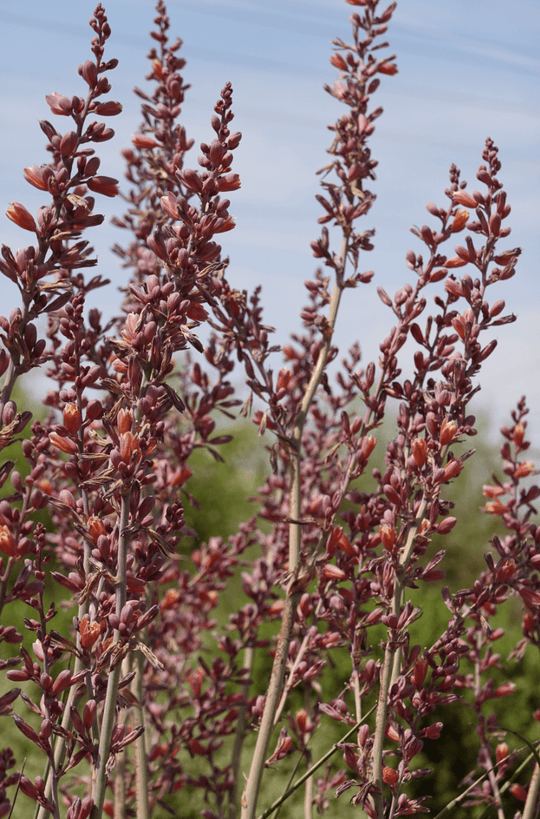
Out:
{"x": 466, "y": 71}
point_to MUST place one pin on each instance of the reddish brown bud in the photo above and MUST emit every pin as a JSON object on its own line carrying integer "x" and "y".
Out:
{"x": 448, "y": 431}
{"x": 331, "y": 572}
{"x": 452, "y": 469}
{"x": 62, "y": 443}
{"x": 62, "y": 682}
{"x": 7, "y": 542}
{"x": 501, "y": 751}
{"x": 144, "y": 141}
{"x": 519, "y": 432}
{"x": 419, "y": 451}
{"x": 460, "y": 220}
{"x": 518, "y": 791}
{"x": 21, "y": 216}
{"x": 338, "y": 61}
{"x": 96, "y": 527}
{"x": 229, "y": 182}
{"x": 107, "y": 109}
{"x": 368, "y": 443}
{"x": 387, "y": 68}
{"x": 463, "y": 198}
{"x": 89, "y": 713}
{"x": 302, "y": 721}
{"x": 103, "y": 184}
{"x": 59, "y": 104}
{"x": 455, "y": 261}
{"x": 420, "y": 671}
{"x": 191, "y": 180}
{"x": 446, "y": 526}
{"x": 453, "y": 287}
{"x": 89, "y": 632}
{"x": 504, "y": 690}
{"x": 88, "y": 71}
{"x": 72, "y": 418}
{"x": 38, "y": 176}
{"x": 124, "y": 421}
{"x": 388, "y": 536}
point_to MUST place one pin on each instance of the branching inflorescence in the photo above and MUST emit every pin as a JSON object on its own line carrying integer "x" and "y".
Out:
{"x": 147, "y": 692}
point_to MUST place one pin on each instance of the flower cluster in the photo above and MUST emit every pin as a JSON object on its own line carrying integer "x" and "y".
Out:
{"x": 200, "y": 668}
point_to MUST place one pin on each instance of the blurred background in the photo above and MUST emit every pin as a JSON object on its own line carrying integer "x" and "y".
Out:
{"x": 466, "y": 71}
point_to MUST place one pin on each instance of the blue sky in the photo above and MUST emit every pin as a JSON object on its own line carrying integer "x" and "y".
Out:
{"x": 466, "y": 71}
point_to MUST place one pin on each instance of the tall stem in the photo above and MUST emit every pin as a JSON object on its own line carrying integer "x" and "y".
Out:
{"x": 240, "y": 736}
{"x": 391, "y": 665}
{"x": 109, "y": 709}
{"x": 251, "y": 792}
